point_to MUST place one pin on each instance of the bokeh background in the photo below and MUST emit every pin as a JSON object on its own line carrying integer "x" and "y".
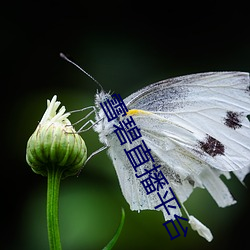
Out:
{"x": 125, "y": 45}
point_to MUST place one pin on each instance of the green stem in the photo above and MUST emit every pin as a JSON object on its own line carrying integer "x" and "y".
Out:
{"x": 54, "y": 177}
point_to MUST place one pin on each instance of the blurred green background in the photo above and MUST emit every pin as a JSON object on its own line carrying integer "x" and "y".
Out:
{"x": 125, "y": 45}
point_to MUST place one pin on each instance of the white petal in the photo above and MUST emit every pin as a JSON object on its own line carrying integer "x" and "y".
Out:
{"x": 51, "y": 114}
{"x": 202, "y": 230}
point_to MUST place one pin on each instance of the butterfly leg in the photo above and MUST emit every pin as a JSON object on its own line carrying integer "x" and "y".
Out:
{"x": 83, "y": 109}
{"x": 84, "y": 125}
{"x": 91, "y": 155}
{"x": 86, "y": 116}
{"x": 81, "y": 129}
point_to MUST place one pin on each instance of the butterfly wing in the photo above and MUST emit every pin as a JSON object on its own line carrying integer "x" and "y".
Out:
{"x": 197, "y": 128}
{"x": 212, "y": 106}
{"x": 131, "y": 186}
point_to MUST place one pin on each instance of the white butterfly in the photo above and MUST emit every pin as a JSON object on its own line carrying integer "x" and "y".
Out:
{"x": 197, "y": 129}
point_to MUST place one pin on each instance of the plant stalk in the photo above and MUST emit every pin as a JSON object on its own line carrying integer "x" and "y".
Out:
{"x": 54, "y": 178}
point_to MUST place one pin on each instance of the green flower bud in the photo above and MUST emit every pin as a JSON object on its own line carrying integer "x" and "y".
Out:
{"x": 55, "y": 144}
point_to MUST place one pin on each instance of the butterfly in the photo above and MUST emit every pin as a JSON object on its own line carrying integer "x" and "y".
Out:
{"x": 197, "y": 129}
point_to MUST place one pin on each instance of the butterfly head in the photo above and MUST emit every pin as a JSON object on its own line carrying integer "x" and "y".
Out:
{"x": 103, "y": 127}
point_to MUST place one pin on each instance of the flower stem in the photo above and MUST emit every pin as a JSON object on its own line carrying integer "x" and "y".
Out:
{"x": 54, "y": 177}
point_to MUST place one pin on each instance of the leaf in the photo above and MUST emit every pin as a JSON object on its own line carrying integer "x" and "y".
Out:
{"x": 117, "y": 234}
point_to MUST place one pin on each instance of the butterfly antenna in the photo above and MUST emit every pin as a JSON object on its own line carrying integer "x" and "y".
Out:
{"x": 86, "y": 73}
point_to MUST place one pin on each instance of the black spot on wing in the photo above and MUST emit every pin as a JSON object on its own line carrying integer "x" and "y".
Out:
{"x": 212, "y": 146}
{"x": 233, "y": 119}
{"x": 191, "y": 181}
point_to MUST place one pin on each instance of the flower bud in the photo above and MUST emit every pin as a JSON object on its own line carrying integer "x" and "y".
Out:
{"x": 55, "y": 144}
